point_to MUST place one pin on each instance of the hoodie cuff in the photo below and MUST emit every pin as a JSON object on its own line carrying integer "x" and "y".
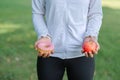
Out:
{"x": 91, "y": 35}
{"x": 45, "y": 35}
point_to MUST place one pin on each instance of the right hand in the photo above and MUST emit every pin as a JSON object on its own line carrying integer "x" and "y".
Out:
{"x": 44, "y": 53}
{"x": 91, "y": 53}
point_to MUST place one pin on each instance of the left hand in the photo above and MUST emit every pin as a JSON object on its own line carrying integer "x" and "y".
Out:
{"x": 41, "y": 52}
{"x": 91, "y": 53}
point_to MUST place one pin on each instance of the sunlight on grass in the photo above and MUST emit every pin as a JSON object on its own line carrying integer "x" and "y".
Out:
{"x": 111, "y": 4}
{"x": 8, "y": 27}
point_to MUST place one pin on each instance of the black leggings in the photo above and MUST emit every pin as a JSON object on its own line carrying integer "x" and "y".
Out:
{"x": 52, "y": 68}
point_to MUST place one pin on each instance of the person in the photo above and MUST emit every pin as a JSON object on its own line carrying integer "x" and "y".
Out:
{"x": 67, "y": 24}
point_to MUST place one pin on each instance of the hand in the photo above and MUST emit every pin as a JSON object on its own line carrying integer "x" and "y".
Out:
{"x": 43, "y": 53}
{"x": 95, "y": 51}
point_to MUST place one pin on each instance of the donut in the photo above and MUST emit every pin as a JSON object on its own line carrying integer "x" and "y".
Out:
{"x": 45, "y": 46}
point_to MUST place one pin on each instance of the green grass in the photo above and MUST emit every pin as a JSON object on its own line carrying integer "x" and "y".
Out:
{"x": 17, "y": 37}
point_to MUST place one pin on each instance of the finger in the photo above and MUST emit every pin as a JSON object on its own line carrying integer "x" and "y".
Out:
{"x": 94, "y": 51}
{"x": 97, "y": 50}
{"x": 48, "y": 55}
{"x": 52, "y": 51}
{"x": 49, "y": 52}
{"x": 45, "y": 55}
{"x": 42, "y": 53}
{"x": 90, "y": 54}
{"x": 98, "y": 47}
{"x": 86, "y": 54}
{"x": 39, "y": 54}
{"x": 36, "y": 44}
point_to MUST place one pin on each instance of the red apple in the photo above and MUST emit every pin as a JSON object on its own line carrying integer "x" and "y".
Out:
{"x": 89, "y": 46}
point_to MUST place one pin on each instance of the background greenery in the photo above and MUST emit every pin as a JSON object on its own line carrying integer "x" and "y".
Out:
{"x": 17, "y": 37}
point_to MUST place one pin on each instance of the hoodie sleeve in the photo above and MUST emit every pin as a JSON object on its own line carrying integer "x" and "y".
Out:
{"x": 38, "y": 12}
{"x": 94, "y": 18}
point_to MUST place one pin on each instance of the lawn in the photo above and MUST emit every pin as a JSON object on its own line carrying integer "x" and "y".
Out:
{"x": 17, "y": 37}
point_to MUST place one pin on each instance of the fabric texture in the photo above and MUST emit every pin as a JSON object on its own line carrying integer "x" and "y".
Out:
{"x": 52, "y": 68}
{"x": 67, "y": 22}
